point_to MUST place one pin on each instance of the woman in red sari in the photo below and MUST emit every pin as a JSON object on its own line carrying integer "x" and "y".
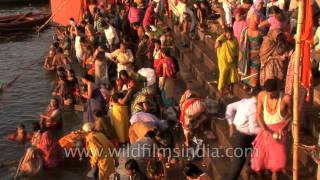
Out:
{"x": 50, "y": 149}
{"x": 149, "y": 16}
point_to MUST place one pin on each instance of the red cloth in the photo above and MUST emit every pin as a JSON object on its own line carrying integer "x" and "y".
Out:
{"x": 134, "y": 15}
{"x": 184, "y": 109}
{"x": 307, "y": 40}
{"x": 129, "y": 83}
{"x": 51, "y": 151}
{"x": 158, "y": 66}
{"x": 63, "y": 10}
{"x": 149, "y": 17}
{"x": 112, "y": 2}
{"x": 269, "y": 153}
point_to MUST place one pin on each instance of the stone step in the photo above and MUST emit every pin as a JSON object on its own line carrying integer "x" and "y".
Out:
{"x": 201, "y": 73}
{"x": 209, "y": 41}
{"x": 215, "y": 161}
{"x": 188, "y": 59}
{"x": 201, "y": 61}
{"x": 207, "y": 55}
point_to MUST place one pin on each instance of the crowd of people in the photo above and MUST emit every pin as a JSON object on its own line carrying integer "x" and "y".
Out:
{"x": 126, "y": 54}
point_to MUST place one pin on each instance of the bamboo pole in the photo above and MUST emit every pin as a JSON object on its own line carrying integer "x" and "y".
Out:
{"x": 295, "y": 132}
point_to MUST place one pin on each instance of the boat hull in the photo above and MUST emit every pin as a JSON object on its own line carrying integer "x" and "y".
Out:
{"x": 23, "y": 1}
{"x": 21, "y": 23}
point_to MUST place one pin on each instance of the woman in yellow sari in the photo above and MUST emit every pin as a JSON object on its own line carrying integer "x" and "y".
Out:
{"x": 227, "y": 53}
{"x": 100, "y": 149}
{"x": 120, "y": 117}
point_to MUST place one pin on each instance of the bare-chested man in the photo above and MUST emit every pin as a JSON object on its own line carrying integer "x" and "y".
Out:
{"x": 48, "y": 63}
{"x": 58, "y": 59}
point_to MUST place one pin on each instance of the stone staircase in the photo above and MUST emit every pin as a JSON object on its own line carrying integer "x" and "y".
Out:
{"x": 199, "y": 71}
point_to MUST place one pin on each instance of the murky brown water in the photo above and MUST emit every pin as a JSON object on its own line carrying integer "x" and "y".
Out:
{"x": 29, "y": 95}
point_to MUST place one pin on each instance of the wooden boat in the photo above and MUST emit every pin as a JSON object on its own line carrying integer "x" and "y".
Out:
{"x": 23, "y": 1}
{"x": 22, "y": 22}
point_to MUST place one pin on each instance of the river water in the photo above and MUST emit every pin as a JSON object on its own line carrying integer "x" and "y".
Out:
{"x": 23, "y": 55}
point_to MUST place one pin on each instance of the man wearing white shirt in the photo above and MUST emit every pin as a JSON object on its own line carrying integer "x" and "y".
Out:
{"x": 111, "y": 36}
{"x": 241, "y": 117}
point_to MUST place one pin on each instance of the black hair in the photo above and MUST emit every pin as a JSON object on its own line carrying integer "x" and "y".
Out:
{"x": 59, "y": 50}
{"x": 274, "y": 10}
{"x": 136, "y": 24}
{"x": 228, "y": 30}
{"x": 82, "y": 40}
{"x": 157, "y": 41}
{"x": 61, "y": 69}
{"x": 62, "y": 76}
{"x": 247, "y": 1}
{"x": 83, "y": 22}
{"x": 98, "y": 113}
{"x": 21, "y": 126}
{"x": 100, "y": 56}
{"x": 124, "y": 73}
{"x": 56, "y": 101}
{"x": 88, "y": 77}
{"x": 192, "y": 171}
{"x": 116, "y": 96}
{"x": 155, "y": 167}
{"x": 71, "y": 19}
{"x": 36, "y": 126}
{"x": 164, "y": 139}
{"x": 168, "y": 29}
{"x": 132, "y": 165}
{"x": 71, "y": 71}
{"x": 55, "y": 44}
{"x": 271, "y": 85}
{"x": 277, "y": 13}
{"x": 103, "y": 46}
{"x": 166, "y": 52}
{"x": 151, "y": 134}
